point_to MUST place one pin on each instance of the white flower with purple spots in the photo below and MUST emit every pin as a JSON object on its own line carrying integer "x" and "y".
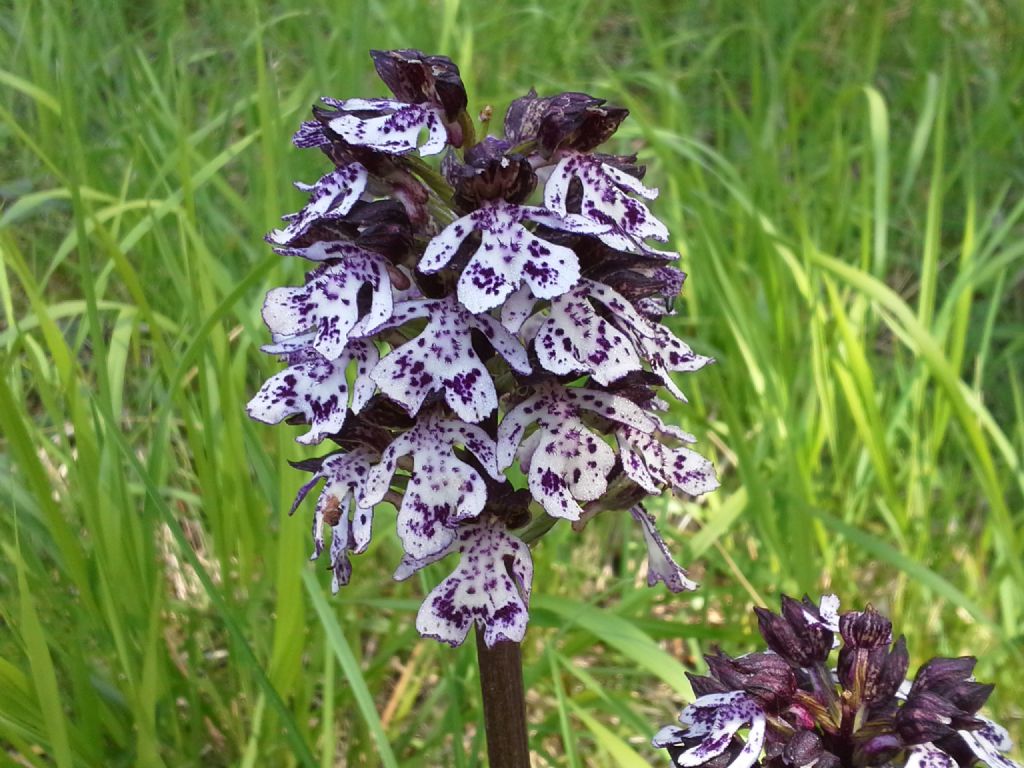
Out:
{"x": 328, "y": 303}
{"x": 712, "y": 721}
{"x": 652, "y": 465}
{"x": 664, "y": 353}
{"x": 331, "y": 197}
{"x": 315, "y": 387}
{"x": 442, "y": 358}
{"x": 928, "y": 756}
{"x": 605, "y": 197}
{"x": 509, "y": 254}
{"x": 661, "y": 566}
{"x": 606, "y": 200}
{"x": 565, "y": 461}
{"x": 345, "y": 475}
{"x": 990, "y": 743}
{"x": 489, "y": 587}
{"x": 442, "y": 490}
{"x": 389, "y": 126}
{"x": 574, "y": 338}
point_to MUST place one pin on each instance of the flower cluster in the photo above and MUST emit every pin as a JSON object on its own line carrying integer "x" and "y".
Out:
{"x": 500, "y": 307}
{"x": 800, "y": 712}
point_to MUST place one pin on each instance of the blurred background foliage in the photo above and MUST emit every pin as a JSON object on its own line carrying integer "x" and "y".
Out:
{"x": 845, "y": 181}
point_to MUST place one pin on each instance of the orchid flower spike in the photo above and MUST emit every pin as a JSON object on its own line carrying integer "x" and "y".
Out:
{"x": 494, "y": 313}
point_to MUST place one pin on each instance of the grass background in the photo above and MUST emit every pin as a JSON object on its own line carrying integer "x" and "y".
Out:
{"x": 845, "y": 180}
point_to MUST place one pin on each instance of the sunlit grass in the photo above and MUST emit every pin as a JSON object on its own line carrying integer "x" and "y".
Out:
{"x": 845, "y": 180}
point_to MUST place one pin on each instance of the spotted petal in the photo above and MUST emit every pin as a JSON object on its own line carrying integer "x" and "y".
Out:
{"x": 664, "y": 352}
{"x": 508, "y": 255}
{"x": 310, "y": 135}
{"x": 652, "y": 465}
{"x": 660, "y": 564}
{"x": 489, "y": 587}
{"x": 315, "y": 387}
{"x": 576, "y": 339}
{"x": 927, "y": 755}
{"x": 564, "y": 460}
{"x": 345, "y": 474}
{"x": 605, "y": 199}
{"x": 989, "y": 743}
{"x": 328, "y": 303}
{"x": 331, "y": 198}
{"x": 715, "y": 719}
{"x": 442, "y": 357}
{"x": 393, "y": 127}
{"x": 442, "y": 490}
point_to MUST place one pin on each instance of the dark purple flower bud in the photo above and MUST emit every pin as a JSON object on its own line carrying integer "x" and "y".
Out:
{"x": 765, "y": 676}
{"x": 941, "y": 673}
{"x": 415, "y": 78}
{"x": 865, "y": 629}
{"x": 568, "y": 120}
{"x": 489, "y": 174}
{"x": 703, "y": 685}
{"x": 928, "y": 716}
{"x": 873, "y": 673}
{"x": 798, "y": 635}
{"x": 892, "y": 673}
{"x": 951, "y": 679}
{"x": 803, "y": 749}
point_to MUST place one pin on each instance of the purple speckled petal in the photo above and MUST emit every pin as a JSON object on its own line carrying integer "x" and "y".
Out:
{"x": 394, "y": 129}
{"x": 660, "y": 564}
{"x": 315, "y": 387}
{"x": 331, "y": 198}
{"x": 310, "y": 135}
{"x": 564, "y": 460}
{"x": 327, "y": 303}
{"x": 612, "y": 407}
{"x": 651, "y": 464}
{"x": 323, "y": 250}
{"x": 508, "y": 255}
{"x": 668, "y": 736}
{"x": 442, "y": 357}
{"x": 604, "y": 196}
{"x": 927, "y": 755}
{"x": 490, "y": 587}
{"x": 664, "y": 352}
{"x": 576, "y": 339}
{"x": 716, "y": 719}
{"x": 517, "y": 307}
{"x": 442, "y": 490}
{"x": 989, "y": 743}
{"x": 345, "y": 474}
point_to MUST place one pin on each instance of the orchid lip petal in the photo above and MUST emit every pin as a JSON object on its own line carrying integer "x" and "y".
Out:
{"x": 714, "y": 719}
{"x": 651, "y": 464}
{"x": 395, "y": 128}
{"x": 605, "y": 201}
{"x": 660, "y": 564}
{"x": 338, "y": 507}
{"x": 508, "y": 256}
{"x": 565, "y": 462}
{"x": 442, "y": 357}
{"x": 481, "y": 589}
{"x": 442, "y": 489}
{"x": 328, "y": 303}
{"x": 317, "y": 388}
{"x": 989, "y": 743}
{"x": 333, "y": 196}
